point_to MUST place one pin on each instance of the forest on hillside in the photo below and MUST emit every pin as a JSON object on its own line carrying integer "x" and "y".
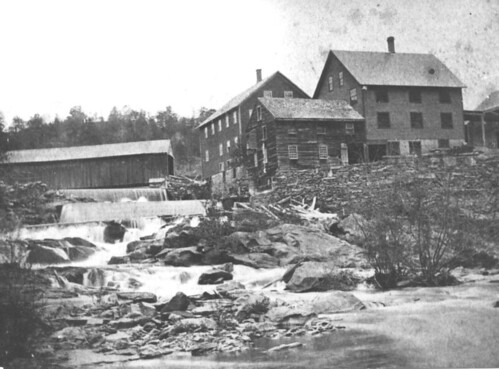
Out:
{"x": 122, "y": 125}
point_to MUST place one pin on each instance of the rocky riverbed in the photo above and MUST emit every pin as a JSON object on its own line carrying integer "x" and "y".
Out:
{"x": 184, "y": 291}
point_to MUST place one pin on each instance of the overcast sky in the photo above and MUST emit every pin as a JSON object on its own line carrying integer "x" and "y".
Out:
{"x": 55, "y": 54}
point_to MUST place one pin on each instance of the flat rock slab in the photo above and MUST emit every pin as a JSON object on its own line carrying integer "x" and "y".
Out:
{"x": 138, "y": 296}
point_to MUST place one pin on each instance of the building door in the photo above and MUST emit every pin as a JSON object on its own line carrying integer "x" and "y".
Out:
{"x": 344, "y": 154}
{"x": 355, "y": 153}
{"x": 376, "y": 152}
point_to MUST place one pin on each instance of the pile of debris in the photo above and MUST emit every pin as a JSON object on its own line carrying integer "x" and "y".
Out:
{"x": 184, "y": 188}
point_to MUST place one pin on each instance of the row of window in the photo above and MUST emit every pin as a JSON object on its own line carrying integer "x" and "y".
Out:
{"x": 292, "y": 153}
{"x": 330, "y": 81}
{"x": 446, "y": 122}
{"x": 221, "y": 149}
{"x": 393, "y": 147}
{"x": 414, "y": 96}
{"x": 220, "y": 123}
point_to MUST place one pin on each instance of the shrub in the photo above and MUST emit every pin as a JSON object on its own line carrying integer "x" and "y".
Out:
{"x": 415, "y": 225}
{"x": 21, "y": 301}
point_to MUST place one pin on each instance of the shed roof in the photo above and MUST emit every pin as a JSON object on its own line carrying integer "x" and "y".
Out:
{"x": 395, "y": 69}
{"x": 313, "y": 109}
{"x": 90, "y": 152}
{"x": 239, "y": 99}
{"x": 490, "y": 103}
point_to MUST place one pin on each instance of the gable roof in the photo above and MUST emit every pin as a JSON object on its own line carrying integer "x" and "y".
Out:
{"x": 394, "y": 69}
{"x": 89, "y": 152}
{"x": 239, "y": 99}
{"x": 309, "y": 109}
{"x": 490, "y": 103}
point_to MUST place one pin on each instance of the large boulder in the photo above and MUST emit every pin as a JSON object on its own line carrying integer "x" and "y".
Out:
{"x": 318, "y": 245}
{"x": 138, "y": 296}
{"x": 215, "y": 276}
{"x": 185, "y": 256}
{"x": 80, "y": 253}
{"x": 290, "y": 315}
{"x": 256, "y": 260}
{"x": 353, "y": 228}
{"x": 179, "y": 302}
{"x": 319, "y": 276}
{"x": 77, "y": 241}
{"x": 39, "y": 254}
{"x": 334, "y": 302}
{"x": 114, "y": 232}
{"x": 183, "y": 238}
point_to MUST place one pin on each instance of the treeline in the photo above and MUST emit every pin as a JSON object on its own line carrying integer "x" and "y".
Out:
{"x": 122, "y": 125}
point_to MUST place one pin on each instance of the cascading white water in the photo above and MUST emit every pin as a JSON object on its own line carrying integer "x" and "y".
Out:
{"x": 117, "y": 194}
{"x": 164, "y": 281}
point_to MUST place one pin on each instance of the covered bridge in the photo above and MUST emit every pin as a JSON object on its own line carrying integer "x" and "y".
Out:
{"x": 100, "y": 166}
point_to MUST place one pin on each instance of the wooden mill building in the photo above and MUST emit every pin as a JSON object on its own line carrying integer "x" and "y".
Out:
{"x": 286, "y": 134}
{"x": 481, "y": 126}
{"x": 127, "y": 164}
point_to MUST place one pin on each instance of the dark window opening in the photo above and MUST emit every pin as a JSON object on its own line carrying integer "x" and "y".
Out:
{"x": 393, "y": 148}
{"x": 382, "y": 96}
{"x": 383, "y": 120}
{"x": 415, "y": 96}
{"x": 415, "y": 148}
{"x": 417, "y": 120}
{"x": 443, "y": 143}
{"x": 444, "y": 96}
{"x": 446, "y": 120}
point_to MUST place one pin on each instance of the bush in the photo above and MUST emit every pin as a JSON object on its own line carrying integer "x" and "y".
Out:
{"x": 415, "y": 225}
{"x": 21, "y": 301}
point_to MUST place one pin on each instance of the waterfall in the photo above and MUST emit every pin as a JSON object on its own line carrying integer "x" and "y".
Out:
{"x": 117, "y": 194}
{"x": 102, "y": 211}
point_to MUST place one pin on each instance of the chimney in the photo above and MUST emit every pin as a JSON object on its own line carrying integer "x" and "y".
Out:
{"x": 391, "y": 44}
{"x": 258, "y": 75}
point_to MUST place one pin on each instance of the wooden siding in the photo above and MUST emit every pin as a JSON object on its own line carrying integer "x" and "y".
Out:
{"x": 306, "y": 138}
{"x": 122, "y": 171}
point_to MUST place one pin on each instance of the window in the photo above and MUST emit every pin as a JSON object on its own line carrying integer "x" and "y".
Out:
{"x": 381, "y": 96}
{"x": 234, "y": 172}
{"x": 446, "y": 120}
{"x": 227, "y": 165}
{"x": 383, "y": 120}
{"x": 206, "y": 155}
{"x": 264, "y": 153}
{"x": 213, "y": 129}
{"x": 353, "y": 95}
{"x": 250, "y": 111}
{"x": 267, "y": 93}
{"x": 330, "y": 83}
{"x": 258, "y": 113}
{"x": 321, "y": 130}
{"x": 393, "y": 148}
{"x": 228, "y": 146}
{"x": 264, "y": 132}
{"x": 292, "y": 131}
{"x": 288, "y": 94}
{"x": 340, "y": 77}
{"x": 443, "y": 143}
{"x": 323, "y": 152}
{"x": 205, "y": 132}
{"x": 221, "y": 167}
{"x": 236, "y": 141}
{"x": 415, "y": 96}
{"x": 227, "y": 121}
{"x": 234, "y": 116}
{"x": 349, "y": 128}
{"x": 415, "y": 148}
{"x": 221, "y": 149}
{"x": 255, "y": 158}
{"x": 444, "y": 96}
{"x": 417, "y": 120}
{"x": 293, "y": 152}
{"x": 220, "y": 125}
